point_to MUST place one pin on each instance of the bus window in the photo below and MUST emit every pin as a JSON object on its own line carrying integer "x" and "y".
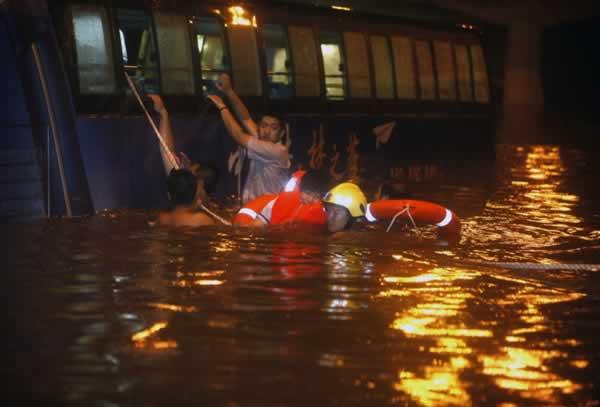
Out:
{"x": 359, "y": 77}
{"x": 382, "y": 61}
{"x": 482, "y": 92}
{"x": 444, "y": 63}
{"x": 277, "y": 58}
{"x": 306, "y": 69}
{"x": 463, "y": 71}
{"x": 244, "y": 60}
{"x": 212, "y": 52}
{"x": 173, "y": 40}
{"x": 404, "y": 65}
{"x": 95, "y": 63}
{"x": 139, "y": 48}
{"x": 425, "y": 67}
{"x": 333, "y": 65}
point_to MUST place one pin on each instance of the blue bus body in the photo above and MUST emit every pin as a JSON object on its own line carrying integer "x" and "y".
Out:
{"x": 335, "y": 77}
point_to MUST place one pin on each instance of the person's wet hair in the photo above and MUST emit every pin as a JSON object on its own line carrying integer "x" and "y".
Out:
{"x": 181, "y": 185}
{"x": 315, "y": 182}
{"x": 209, "y": 174}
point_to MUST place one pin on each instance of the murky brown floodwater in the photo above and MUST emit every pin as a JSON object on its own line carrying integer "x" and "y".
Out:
{"x": 109, "y": 311}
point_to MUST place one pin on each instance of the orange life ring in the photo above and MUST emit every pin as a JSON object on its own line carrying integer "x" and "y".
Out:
{"x": 422, "y": 212}
{"x": 250, "y": 210}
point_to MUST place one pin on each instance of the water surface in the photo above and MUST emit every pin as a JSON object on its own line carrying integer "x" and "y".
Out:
{"x": 111, "y": 311}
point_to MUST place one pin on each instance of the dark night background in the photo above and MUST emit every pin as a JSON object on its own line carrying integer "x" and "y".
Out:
{"x": 570, "y": 69}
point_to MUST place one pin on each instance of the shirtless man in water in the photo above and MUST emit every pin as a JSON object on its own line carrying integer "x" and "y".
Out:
{"x": 187, "y": 186}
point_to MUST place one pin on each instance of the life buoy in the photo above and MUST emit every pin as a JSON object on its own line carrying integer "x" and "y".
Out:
{"x": 250, "y": 210}
{"x": 422, "y": 212}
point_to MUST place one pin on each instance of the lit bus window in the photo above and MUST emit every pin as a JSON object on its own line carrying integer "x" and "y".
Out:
{"x": 444, "y": 63}
{"x": 333, "y": 65}
{"x": 425, "y": 68}
{"x": 95, "y": 63}
{"x": 382, "y": 61}
{"x": 359, "y": 79}
{"x": 277, "y": 59}
{"x": 177, "y": 76}
{"x": 404, "y": 66}
{"x": 244, "y": 60}
{"x": 212, "y": 52}
{"x": 306, "y": 68}
{"x": 139, "y": 48}
{"x": 480, "y": 78}
{"x": 463, "y": 72}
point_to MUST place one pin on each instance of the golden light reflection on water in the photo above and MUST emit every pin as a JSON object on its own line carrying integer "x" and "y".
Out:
{"x": 143, "y": 335}
{"x": 224, "y": 246}
{"x": 208, "y": 278}
{"x": 528, "y": 371}
{"x": 208, "y": 282}
{"x": 173, "y": 307}
{"x": 441, "y": 385}
{"x": 435, "y": 316}
{"x": 537, "y": 195}
{"x": 141, "y": 339}
{"x": 442, "y": 313}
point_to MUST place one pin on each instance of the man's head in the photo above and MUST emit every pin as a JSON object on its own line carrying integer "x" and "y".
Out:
{"x": 314, "y": 186}
{"x": 186, "y": 185}
{"x": 207, "y": 176}
{"x": 271, "y": 128}
{"x": 181, "y": 186}
{"x": 344, "y": 203}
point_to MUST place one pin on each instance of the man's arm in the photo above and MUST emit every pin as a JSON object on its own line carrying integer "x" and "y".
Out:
{"x": 231, "y": 124}
{"x": 239, "y": 109}
{"x": 166, "y": 132}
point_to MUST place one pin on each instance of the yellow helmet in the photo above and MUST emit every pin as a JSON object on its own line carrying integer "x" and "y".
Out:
{"x": 349, "y": 196}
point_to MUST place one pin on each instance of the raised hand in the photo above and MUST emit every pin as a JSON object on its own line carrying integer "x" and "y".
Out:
{"x": 217, "y": 101}
{"x": 224, "y": 83}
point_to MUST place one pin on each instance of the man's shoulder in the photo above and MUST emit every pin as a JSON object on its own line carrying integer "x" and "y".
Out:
{"x": 185, "y": 218}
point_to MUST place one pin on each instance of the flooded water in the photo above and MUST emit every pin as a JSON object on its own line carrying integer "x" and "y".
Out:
{"x": 110, "y": 311}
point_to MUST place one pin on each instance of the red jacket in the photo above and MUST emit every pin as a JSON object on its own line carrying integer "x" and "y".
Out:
{"x": 285, "y": 208}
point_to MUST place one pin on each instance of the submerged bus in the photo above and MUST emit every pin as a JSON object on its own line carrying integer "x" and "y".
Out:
{"x": 360, "y": 93}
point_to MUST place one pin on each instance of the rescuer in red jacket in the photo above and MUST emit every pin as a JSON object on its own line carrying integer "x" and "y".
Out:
{"x": 302, "y": 204}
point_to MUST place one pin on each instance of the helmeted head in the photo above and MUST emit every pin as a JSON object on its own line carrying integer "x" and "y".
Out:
{"x": 344, "y": 203}
{"x": 271, "y": 128}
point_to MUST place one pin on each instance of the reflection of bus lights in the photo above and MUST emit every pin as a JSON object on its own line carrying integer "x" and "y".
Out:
{"x": 238, "y": 17}
{"x": 342, "y": 8}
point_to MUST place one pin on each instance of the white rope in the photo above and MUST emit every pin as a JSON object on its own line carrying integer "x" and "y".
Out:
{"x": 170, "y": 154}
{"x": 214, "y": 215}
{"x": 407, "y": 210}
{"x": 539, "y": 266}
{"x": 167, "y": 149}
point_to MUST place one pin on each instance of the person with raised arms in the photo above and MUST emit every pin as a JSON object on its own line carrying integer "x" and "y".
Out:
{"x": 268, "y": 154}
{"x": 187, "y": 184}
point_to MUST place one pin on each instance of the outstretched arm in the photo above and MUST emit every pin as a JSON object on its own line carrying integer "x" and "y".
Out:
{"x": 239, "y": 109}
{"x": 166, "y": 132}
{"x": 231, "y": 124}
